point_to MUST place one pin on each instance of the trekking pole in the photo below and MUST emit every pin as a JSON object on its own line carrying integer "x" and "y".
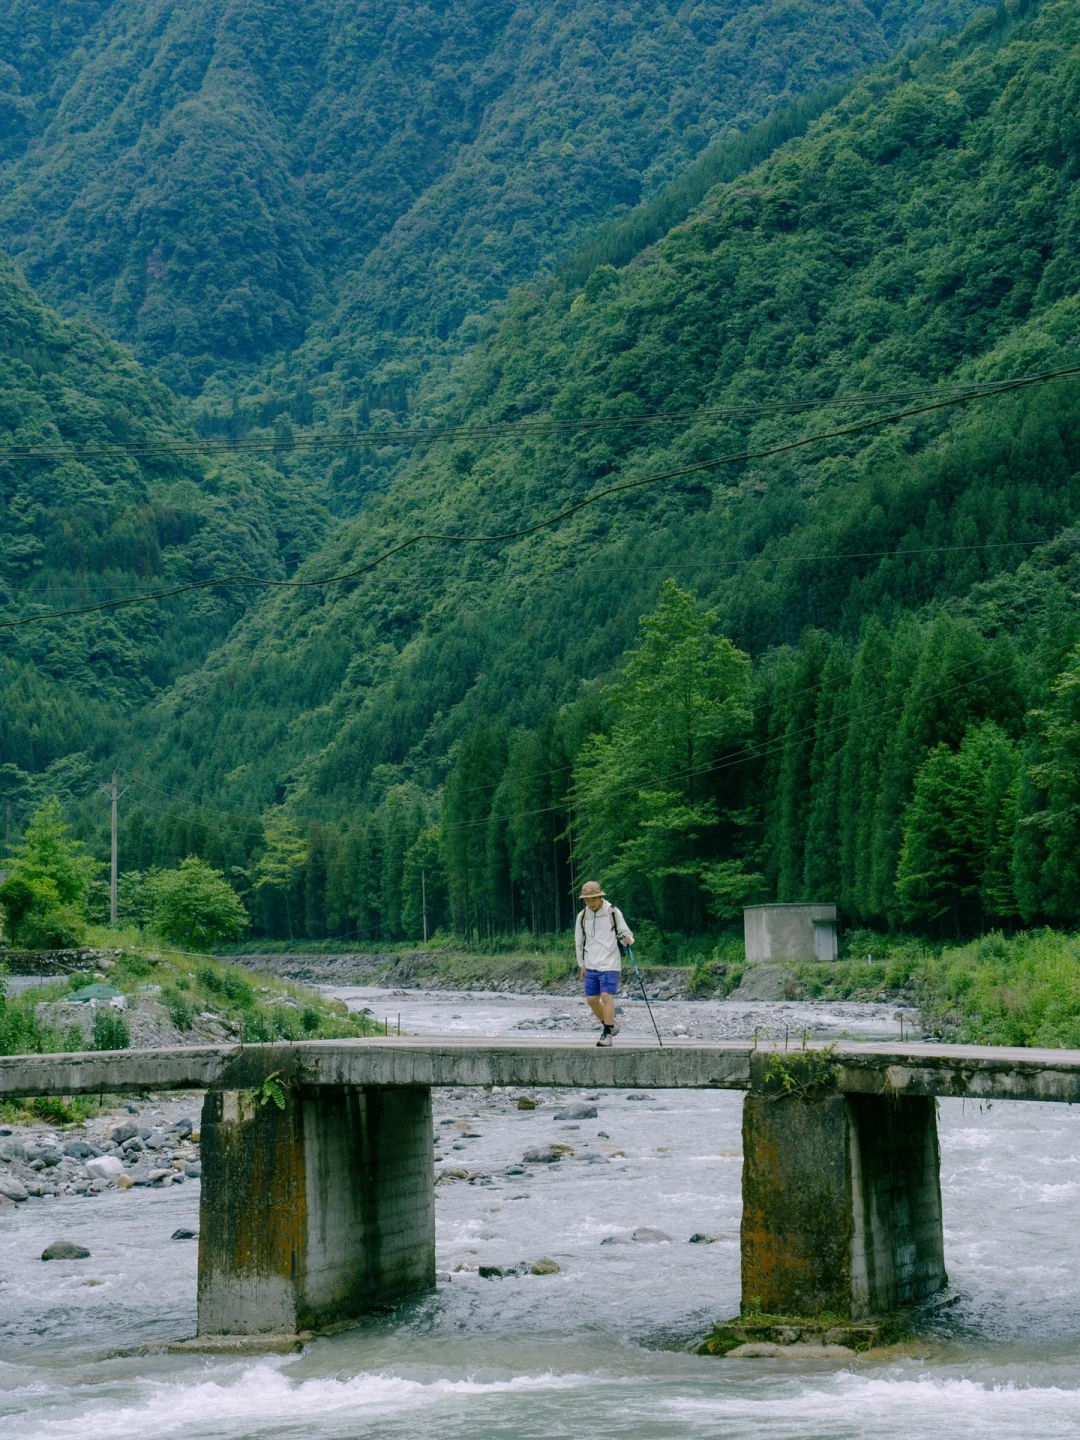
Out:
{"x": 641, "y": 982}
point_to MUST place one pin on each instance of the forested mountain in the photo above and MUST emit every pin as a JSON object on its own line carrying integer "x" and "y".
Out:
{"x": 206, "y": 179}
{"x": 82, "y": 521}
{"x": 843, "y": 672}
{"x": 899, "y": 600}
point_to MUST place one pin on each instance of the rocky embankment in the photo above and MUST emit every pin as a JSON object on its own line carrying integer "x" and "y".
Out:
{"x": 504, "y": 974}
{"x": 154, "y": 1145}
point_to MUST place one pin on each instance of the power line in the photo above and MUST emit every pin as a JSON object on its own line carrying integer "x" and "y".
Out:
{"x": 621, "y": 487}
{"x": 427, "y": 434}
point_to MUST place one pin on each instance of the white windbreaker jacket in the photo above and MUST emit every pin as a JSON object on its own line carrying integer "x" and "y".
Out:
{"x": 594, "y": 937}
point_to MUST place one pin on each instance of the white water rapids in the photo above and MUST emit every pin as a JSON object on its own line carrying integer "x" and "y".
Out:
{"x": 600, "y": 1349}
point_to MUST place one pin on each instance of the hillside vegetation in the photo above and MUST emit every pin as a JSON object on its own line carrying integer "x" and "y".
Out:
{"x": 850, "y": 671}
{"x": 863, "y": 643}
{"x": 85, "y": 523}
{"x": 208, "y": 180}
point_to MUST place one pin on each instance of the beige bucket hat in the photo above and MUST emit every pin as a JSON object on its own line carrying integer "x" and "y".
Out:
{"x": 591, "y": 890}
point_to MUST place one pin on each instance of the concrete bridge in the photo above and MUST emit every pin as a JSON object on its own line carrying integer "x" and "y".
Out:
{"x": 316, "y": 1212}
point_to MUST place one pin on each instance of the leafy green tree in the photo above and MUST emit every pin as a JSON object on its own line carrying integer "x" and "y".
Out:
{"x": 644, "y": 794}
{"x": 49, "y": 875}
{"x": 955, "y": 863}
{"x": 194, "y": 905}
{"x": 1047, "y": 864}
{"x": 281, "y": 867}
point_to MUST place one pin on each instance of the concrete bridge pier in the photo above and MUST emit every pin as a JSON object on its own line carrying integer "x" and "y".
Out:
{"x": 841, "y": 1204}
{"x": 313, "y": 1213}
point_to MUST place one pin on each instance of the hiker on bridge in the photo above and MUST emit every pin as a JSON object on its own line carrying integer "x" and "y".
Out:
{"x": 600, "y": 936}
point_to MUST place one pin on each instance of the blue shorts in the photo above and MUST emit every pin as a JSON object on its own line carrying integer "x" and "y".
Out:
{"x": 601, "y": 982}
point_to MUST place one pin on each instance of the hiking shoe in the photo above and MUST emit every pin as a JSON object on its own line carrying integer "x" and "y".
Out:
{"x": 605, "y": 1038}
{"x": 614, "y": 1029}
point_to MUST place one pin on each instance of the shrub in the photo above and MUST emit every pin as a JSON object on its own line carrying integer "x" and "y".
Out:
{"x": 195, "y": 906}
{"x": 179, "y": 1007}
{"x": 111, "y": 1030}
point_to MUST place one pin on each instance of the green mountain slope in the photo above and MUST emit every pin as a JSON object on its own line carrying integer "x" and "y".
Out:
{"x": 199, "y": 177}
{"x": 923, "y": 231}
{"x": 78, "y": 527}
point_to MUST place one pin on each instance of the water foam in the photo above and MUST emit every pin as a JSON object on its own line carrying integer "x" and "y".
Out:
{"x": 261, "y": 1400}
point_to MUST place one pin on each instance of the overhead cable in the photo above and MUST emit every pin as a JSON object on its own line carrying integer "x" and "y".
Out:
{"x": 428, "y": 434}
{"x": 522, "y": 532}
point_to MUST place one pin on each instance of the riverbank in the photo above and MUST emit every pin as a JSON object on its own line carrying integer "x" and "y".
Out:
{"x": 518, "y": 974}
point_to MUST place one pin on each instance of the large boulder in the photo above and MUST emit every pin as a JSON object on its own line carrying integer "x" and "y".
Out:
{"x": 64, "y": 1250}
{"x": 104, "y": 1167}
{"x": 11, "y": 1188}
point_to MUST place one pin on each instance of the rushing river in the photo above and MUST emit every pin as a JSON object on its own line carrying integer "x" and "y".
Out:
{"x": 599, "y": 1349}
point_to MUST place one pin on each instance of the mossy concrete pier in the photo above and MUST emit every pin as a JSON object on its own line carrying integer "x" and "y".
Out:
{"x": 314, "y": 1210}
{"x": 320, "y": 1207}
{"x": 841, "y": 1204}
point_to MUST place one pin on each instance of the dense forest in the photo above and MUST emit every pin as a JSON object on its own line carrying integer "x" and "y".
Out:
{"x": 849, "y": 672}
{"x": 211, "y": 181}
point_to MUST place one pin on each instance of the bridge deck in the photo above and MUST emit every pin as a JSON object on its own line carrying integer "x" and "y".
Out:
{"x": 978, "y": 1072}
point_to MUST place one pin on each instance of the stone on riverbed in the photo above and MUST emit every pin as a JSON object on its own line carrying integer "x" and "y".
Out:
{"x": 11, "y": 1188}
{"x": 184, "y": 1235}
{"x": 64, "y": 1250}
{"x": 646, "y": 1235}
{"x": 524, "y": 1103}
{"x": 80, "y": 1149}
{"x": 543, "y": 1154}
{"x": 126, "y": 1131}
{"x": 576, "y": 1112}
{"x": 545, "y": 1266}
{"x": 104, "y": 1167}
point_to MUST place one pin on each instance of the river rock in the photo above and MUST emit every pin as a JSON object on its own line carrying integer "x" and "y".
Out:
{"x": 126, "y": 1131}
{"x": 646, "y": 1235}
{"x": 80, "y": 1149}
{"x": 576, "y": 1112}
{"x": 132, "y": 1146}
{"x": 193, "y": 1170}
{"x": 184, "y": 1235}
{"x": 64, "y": 1250}
{"x": 124, "y": 1182}
{"x": 160, "y": 1177}
{"x": 104, "y": 1167}
{"x": 545, "y": 1267}
{"x": 6, "y": 1204}
{"x": 13, "y": 1148}
{"x": 156, "y": 1140}
{"x": 700, "y": 1238}
{"x": 639, "y": 1097}
{"x": 545, "y": 1154}
{"x": 181, "y": 1129}
{"x": 524, "y": 1103}
{"x": 11, "y": 1188}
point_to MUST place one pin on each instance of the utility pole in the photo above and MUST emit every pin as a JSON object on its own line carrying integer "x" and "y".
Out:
{"x": 114, "y": 795}
{"x": 423, "y": 900}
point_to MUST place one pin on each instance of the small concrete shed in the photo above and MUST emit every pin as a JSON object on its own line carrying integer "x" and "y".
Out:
{"x": 790, "y": 932}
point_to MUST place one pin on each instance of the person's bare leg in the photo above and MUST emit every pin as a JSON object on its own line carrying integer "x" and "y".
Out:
{"x": 596, "y": 1005}
{"x": 606, "y": 1013}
